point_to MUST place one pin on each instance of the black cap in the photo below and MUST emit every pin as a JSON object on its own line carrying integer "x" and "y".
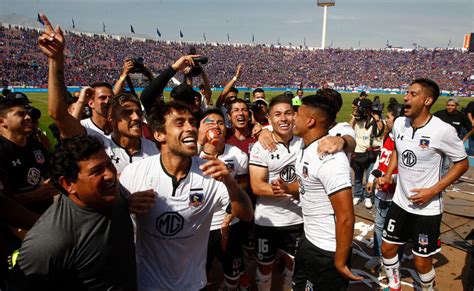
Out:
{"x": 15, "y": 98}
{"x": 184, "y": 93}
{"x": 363, "y": 94}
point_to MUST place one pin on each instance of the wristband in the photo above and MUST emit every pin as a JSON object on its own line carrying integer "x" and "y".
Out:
{"x": 234, "y": 79}
{"x": 122, "y": 78}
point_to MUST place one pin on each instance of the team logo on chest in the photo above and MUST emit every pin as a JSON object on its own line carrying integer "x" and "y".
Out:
{"x": 39, "y": 157}
{"x": 288, "y": 174}
{"x": 196, "y": 199}
{"x": 424, "y": 142}
{"x": 408, "y": 158}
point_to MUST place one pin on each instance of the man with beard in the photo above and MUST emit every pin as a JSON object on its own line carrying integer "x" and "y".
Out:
{"x": 278, "y": 219}
{"x": 324, "y": 189}
{"x": 173, "y": 234}
{"x": 421, "y": 142}
{"x": 98, "y": 124}
{"x": 124, "y": 114}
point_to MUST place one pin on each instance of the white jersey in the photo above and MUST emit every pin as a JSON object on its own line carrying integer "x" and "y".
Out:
{"x": 271, "y": 211}
{"x": 94, "y": 129}
{"x": 172, "y": 237}
{"x": 342, "y": 129}
{"x": 320, "y": 177}
{"x": 420, "y": 155}
{"x": 119, "y": 156}
{"x": 237, "y": 161}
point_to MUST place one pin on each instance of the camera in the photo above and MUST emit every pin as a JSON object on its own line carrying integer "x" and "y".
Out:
{"x": 360, "y": 113}
{"x": 196, "y": 70}
{"x": 138, "y": 66}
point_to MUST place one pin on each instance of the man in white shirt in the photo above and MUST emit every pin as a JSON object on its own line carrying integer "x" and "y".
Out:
{"x": 421, "y": 143}
{"x": 172, "y": 235}
{"x": 325, "y": 191}
{"x": 278, "y": 220}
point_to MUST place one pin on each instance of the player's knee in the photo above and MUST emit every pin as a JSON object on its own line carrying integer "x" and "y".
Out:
{"x": 265, "y": 269}
{"x": 389, "y": 250}
{"x": 422, "y": 265}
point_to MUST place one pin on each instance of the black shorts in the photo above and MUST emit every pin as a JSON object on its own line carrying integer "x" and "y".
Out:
{"x": 315, "y": 270}
{"x": 231, "y": 258}
{"x": 270, "y": 239}
{"x": 247, "y": 240}
{"x": 400, "y": 226}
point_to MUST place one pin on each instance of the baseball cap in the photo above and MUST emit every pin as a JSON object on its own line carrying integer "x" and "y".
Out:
{"x": 15, "y": 98}
{"x": 363, "y": 93}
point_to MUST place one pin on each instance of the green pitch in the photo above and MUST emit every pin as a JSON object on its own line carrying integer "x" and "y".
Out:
{"x": 39, "y": 100}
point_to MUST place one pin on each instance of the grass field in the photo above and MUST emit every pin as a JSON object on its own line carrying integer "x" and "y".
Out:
{"x": 40, "y": 101}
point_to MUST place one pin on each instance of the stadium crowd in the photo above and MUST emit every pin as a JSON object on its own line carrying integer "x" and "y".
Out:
{"x": 143, "y": 194}
{"x": 90, "y": 56}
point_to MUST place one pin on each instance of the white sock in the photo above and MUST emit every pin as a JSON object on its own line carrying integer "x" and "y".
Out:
{"x": 427, "y": 280}
{"x": 231, "y": 287}
{"x": 392, "y": 269}
{"x": 264, "y": 282}
{"x": 287, "y": 279}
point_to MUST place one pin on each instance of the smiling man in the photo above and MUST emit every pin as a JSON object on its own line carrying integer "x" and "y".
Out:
{"x": 172, "y": 235}
{"x": 84, "y": 241}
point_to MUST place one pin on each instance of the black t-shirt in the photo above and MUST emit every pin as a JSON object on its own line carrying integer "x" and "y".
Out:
{"x": 77, "y": 248}
{"x": 458, "y": 120}
{"x": 23, "y": 169}
{"x": 470, "y": 108}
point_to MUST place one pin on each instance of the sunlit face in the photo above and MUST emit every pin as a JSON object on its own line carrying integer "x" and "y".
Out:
{"x": 99, "y": 103}
{"x": 127, "y": 120}
{"x": 96, "y": 185}
{"x": 239, "y": 115}
{"x": 299, "y": 92}
{"x": 17, "y": 121}
{"x": 451, "y": 107}
{"x": 220, "y": 124}
{"x": 258, "y": 95}
{"x": 415, "y": 100}
{"x": 300, "y": 120}
{"x": 180, "y": 136}
{"x": 281, "y": 118}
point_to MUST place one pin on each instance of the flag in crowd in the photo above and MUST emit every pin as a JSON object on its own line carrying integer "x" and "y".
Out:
{"x": 103, "y": 26}
{"x": 158, "y": 32}
{"x": 40, "y": 20}
{"x": 180, "y": 33}
{"x": 73, "y": 24}
{"x": 204, "y": 36}
{"x": 131, "y": 29}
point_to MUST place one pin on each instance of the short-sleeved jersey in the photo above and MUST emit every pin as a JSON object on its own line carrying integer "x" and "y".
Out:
{"x": 172, "y": 237}
{"x": 119, "y": 156}
{"x": 95, "y": 130}
{"x": 237, "y": 161}
{"x": 341, "y": 129}
{"x": 271, "y": 211}
{"x": 79, "y": 248}
{"x": 420, "y": 153}
{"x": 319, "y": 178}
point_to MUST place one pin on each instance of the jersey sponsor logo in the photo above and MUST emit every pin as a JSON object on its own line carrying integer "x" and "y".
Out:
{"x": 424, "y": 143}
{"x": 16, "y": 163}
{"x": 39, "y": 157}
{"x": 321, "y": 157}
{"x": 115, "y": 158}
{"x": 408, "y": 158}
{"x": 196, "y": 199}
{"x": 400, "y": 136}
{"x": 169, "y": 223}
{"x": 288, "y": 174}
{"x": 275, "y": 156}
{"x": 423, "y": 239}
{"x": 422, "y": 250}
{"x": 34, "y": 176}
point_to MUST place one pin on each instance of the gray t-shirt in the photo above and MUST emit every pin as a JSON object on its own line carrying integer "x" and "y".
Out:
{"x": 77, "y": 248}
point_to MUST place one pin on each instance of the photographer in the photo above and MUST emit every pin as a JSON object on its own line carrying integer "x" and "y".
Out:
{"x": 131, "y": 66}
{"x": 369, "y": 129}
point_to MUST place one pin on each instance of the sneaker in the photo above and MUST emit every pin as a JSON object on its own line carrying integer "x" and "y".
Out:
{"x": 373, "y": 265}
{"x": 391, "y": 289}
{"x": 368, "y": 203}
{"x": 355, "y": 201}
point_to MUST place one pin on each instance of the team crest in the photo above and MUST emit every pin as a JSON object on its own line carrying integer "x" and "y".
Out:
{"x": 196, "y": 199}
{"x": 230, "y": 165}
{"x": 424, "y": 143}
{"x": 423, "y": 240}
{"x": 34, "y": 176}
{"x": 305, "y": 172}
{"x": 39, "y": 157}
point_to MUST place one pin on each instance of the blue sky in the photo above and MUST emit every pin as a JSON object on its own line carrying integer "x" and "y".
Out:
{"x": 351, "y": 23}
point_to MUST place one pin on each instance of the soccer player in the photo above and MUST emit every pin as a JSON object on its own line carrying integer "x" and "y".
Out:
{"x": 225, "y": 239}
{"x": 278, "y": 220}
{"x": 172, "y": 235}
{"x": 421, "y": 142}
{"x": 123, "y": 111}
{"x": 324, "y": 189}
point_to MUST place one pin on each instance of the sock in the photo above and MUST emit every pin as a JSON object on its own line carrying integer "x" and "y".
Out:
{"x": 427, "y": 280}
{"x": 392, "y": 269}
{"x": 264, "y": 282}
{"x": 231, "y": 287}
{"x": 287, "y": 279}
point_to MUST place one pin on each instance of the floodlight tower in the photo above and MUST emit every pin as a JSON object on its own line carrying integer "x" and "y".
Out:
{"x": 325, "y": 4}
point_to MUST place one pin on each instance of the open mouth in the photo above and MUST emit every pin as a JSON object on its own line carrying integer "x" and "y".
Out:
{"x": 284, "y": 126}
{"x": 189, "y": 141}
